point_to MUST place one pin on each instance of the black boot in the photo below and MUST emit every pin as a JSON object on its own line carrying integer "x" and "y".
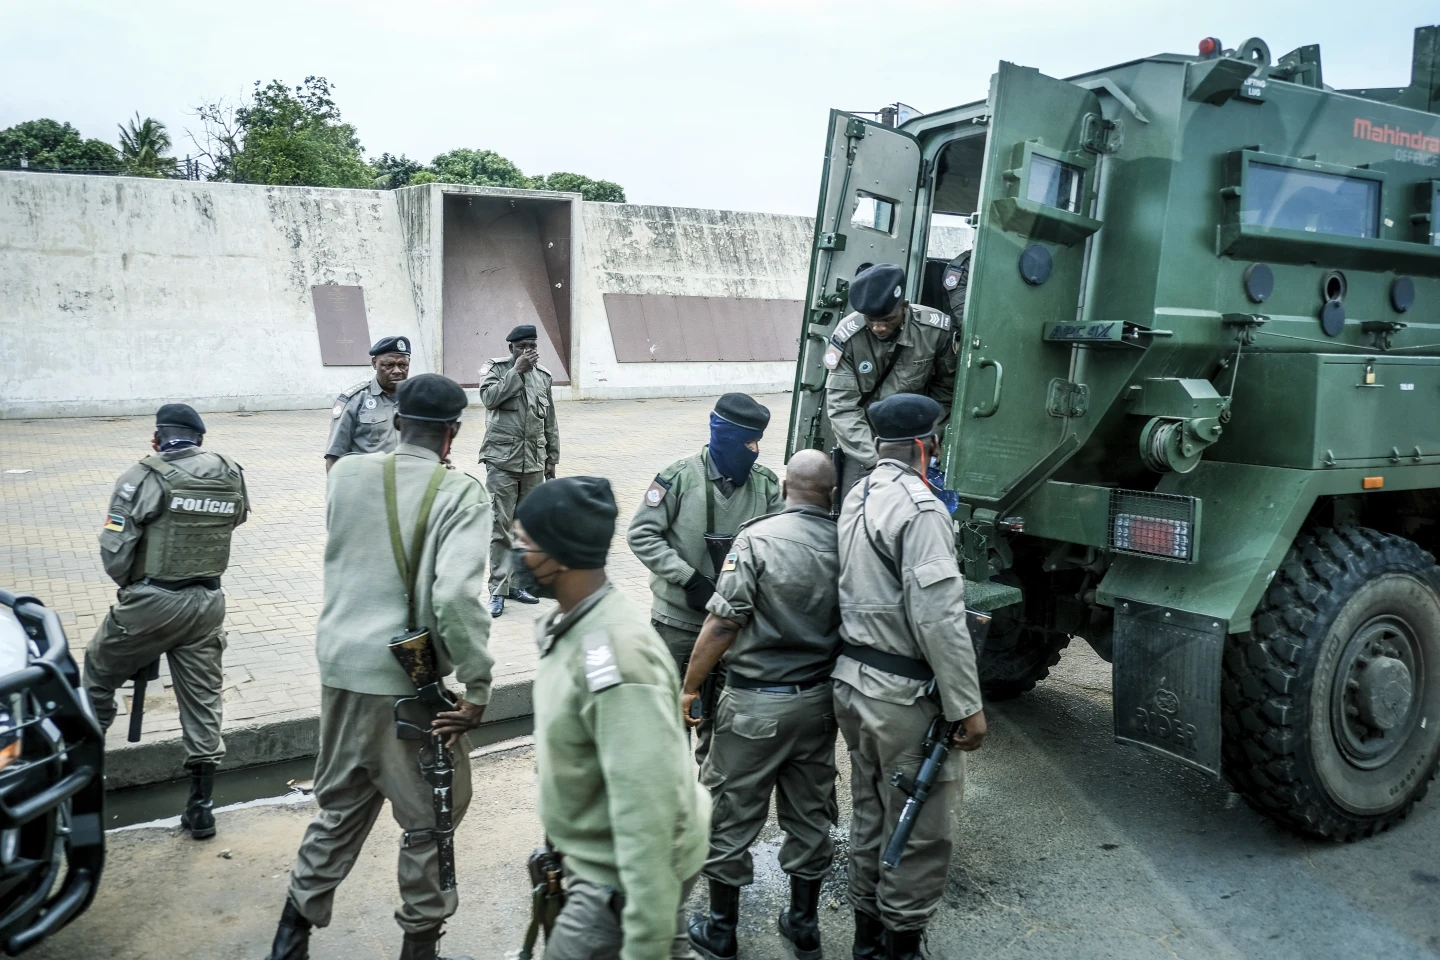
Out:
{"x": 198, "y": 817}
{"x": 801, "y": 923}
{"x": 869, "y": 937}
{"x": 903, "y": 944}
{"x": 292, "y": 936}
{"x": 714, "y": 936}
{"x": 424, "y": 945}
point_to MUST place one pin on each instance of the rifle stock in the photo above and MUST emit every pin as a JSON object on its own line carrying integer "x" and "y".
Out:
{"x": 141, "y": 679}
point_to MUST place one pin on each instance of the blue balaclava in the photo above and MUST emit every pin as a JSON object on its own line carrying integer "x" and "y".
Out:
{"x": 728, "y": 451}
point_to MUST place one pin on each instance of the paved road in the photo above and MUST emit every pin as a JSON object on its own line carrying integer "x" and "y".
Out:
{"x": 1073, "y": 847}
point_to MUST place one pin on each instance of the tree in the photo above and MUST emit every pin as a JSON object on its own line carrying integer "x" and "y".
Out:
{"x": 484, "y": 168}
{"x": 143, "y": 145}
{"x": 392, "y": 172}
{"x": 600, "y": 190}
{"x": 283, "y": 135}
{"x": 49, "y": 145}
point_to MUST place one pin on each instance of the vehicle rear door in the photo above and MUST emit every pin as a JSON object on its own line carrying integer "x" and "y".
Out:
{"x": 866, "y": 215}
{"x": 1035, "y": 220}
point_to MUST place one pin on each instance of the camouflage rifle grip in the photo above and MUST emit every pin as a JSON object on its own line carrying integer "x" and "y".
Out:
{"x": 416, "y": 652}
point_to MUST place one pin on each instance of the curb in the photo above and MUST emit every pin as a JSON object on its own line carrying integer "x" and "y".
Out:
{"x": 163, "y": 759}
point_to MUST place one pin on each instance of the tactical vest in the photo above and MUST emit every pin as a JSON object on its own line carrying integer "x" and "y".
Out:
{"x": 191, "y": 537}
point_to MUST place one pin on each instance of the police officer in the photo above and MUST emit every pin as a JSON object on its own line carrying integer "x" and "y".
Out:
{"x": 906, "y": 657}
{"x": 775, "y": 617}
{"x": 166, "y": 542}
{"x": 956, "y": 281}
{"x": 363, "y": 418}
{"x": 618, "y": 797}
{"x": 683, "y": 527}
{"x": 521, "y": 448}
{"x": 887, "y": 346}
{"x": 362, "y": 763}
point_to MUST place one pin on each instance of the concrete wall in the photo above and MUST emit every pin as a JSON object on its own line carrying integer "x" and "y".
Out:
{"x": 119, "y": 294}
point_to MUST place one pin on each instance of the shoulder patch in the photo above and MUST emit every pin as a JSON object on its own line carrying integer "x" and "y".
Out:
{"x": 847, "y": 328}
{"x": 731, "y": 561}
{"x": 917, "y": 489}
{"x": 927, "y": 317}
{"x": 115, "y": 522}
{"x": 601, "y": 670}
{"x": 126, "y": 490}
{"x": 349, "y": 392}
{"x": 659, "y": 487}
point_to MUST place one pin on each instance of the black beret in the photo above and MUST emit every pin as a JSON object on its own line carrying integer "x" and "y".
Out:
{"x": 744, "y": 411}
{"x": 526, "y": 331}
{"x": 572, "y": 519}
{"x": 904, "y": 416}
{"x": 179, "y": 415}
{"x": 878, "y": 290}
{"x": 431, "y": 397}
{"x": 391, "y": 345}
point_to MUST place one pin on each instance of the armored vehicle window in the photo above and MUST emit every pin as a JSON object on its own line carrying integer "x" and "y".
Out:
{"x": 1310, "y": 201}
{"x": 873, "y": 213}
{"x": 1055, "y": 184}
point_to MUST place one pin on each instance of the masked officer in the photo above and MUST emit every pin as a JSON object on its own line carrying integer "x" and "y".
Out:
{"x": 683, "y": 528}
{"x": 775, "y": 617}
{"x": 956, "y": 281}
{"x": 362, "y": 763}
{"x": 618, "y": 797}
{"x": 906, "y": 657}
{"x": 166, "y": 542}
{"x": 363, "y": 418}
{"x": 521, "y": 448}
{"x": 887, "y": 346}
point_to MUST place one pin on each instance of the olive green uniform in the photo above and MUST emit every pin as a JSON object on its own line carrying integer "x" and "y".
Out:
{"x": 919, "y": 358}
{"x": 775, "y": 724}
{"x": 618, "y": 796}
{"x": 167, "y": 528}
{"x": 363, "y": 421}
{"x": 884, "y": 716}
{"x": 361, "y": 762}
{"x": 686, "y": 500}
{"x": 522, "y": 439}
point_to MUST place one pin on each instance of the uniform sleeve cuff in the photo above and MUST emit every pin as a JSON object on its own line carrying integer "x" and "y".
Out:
{"x": 721, "y": 607}
{"x": 478, "y": 693}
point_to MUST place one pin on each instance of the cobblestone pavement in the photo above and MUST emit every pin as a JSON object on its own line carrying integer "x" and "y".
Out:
{"x": 55, "y": 482}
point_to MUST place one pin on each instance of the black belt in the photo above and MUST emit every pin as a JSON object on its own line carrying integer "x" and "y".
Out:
{"x": 907, "y": 667}
{"x": 770, "y": 686}
{"x": 209, "y": 583}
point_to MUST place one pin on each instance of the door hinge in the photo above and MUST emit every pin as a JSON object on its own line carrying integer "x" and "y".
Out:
{"x": 832, "y": 241}
{"x": 1066, "y": 399}
{"x": 855, "y": 129}
{"x": 1099, "y": 135}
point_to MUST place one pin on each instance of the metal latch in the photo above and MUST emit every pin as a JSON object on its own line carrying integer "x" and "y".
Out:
{"x": 1099, "y": 135}
{"x": 832, "y": 241}
{"x": 1067, "y": 399}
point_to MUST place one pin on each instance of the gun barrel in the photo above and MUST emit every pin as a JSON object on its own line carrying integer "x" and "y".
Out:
{"x": 895, "y": 849}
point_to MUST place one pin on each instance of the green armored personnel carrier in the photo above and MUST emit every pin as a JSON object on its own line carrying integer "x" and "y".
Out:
{"x": 1197, "y": 414}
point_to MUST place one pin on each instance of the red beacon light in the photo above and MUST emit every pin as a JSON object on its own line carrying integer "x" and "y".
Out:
{"x": 1210, "y": 47}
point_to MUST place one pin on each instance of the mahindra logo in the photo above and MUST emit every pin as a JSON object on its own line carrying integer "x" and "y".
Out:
{"x": 1395, "y": 136}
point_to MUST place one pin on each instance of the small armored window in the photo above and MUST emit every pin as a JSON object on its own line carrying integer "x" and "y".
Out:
{"x": 873, "y": 213}
{"x": 1310, "y": 201}
{"x": 1055, "y": 184}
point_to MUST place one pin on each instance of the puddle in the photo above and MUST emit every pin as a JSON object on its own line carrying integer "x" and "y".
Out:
{"x": 267, "y": 781}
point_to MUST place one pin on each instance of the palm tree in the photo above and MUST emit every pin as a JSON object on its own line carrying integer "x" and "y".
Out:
{"x": 143, "y": 144}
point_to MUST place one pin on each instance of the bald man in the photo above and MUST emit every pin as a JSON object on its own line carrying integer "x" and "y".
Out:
{"x": 775, "y": 619}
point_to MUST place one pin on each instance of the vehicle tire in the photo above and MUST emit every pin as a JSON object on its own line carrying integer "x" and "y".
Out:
{"x": 1332, "y": 702}
{"x": 1017, "y": 654}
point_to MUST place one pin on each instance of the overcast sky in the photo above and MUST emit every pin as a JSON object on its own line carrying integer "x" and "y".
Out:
{"x": 706, "y": 104}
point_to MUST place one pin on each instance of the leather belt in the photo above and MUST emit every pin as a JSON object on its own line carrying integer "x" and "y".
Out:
{"x": 907, "y": 667}
{"x": 771, "y": 686}
{"x": 209, "y": 583}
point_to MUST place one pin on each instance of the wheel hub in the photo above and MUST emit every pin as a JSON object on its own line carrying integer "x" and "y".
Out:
{"x": 1373, "y": 699}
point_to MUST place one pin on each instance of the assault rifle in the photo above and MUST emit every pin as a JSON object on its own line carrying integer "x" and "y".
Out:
{"x": 142, "y": 677}
{"x": 416, "y": 652}
{"x": 936, "y": 751}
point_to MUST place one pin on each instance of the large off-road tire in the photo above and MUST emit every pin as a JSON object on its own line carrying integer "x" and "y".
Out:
{"x": 1332, "y": 702}
{"x": 1017, "y": 655}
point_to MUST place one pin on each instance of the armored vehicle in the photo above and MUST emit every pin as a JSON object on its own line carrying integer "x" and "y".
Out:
{"x": 1196, "y": 419}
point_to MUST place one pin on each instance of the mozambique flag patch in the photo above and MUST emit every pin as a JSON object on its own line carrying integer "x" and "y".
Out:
{"x": 731, "y": 560}
{"x": 115, "y": 521}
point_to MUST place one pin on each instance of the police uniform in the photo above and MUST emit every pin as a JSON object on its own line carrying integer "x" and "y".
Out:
{"x": 361, "y": 762}
{"x": 956, "y": 281}
{"x": 363, "y": 418}
{"x": 166, "y": 542}
{"x": 522, "y": 444}
{"x": 690, "y": 506}
{"x": 921, "y": 357}
{"x": 775, "y": 723}
{"x": 617, "y": 795}
{"x": 903, "y": 625}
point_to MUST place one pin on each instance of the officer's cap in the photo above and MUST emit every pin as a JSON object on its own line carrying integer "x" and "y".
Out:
{"x": 904, "y": 416}
{"x": 391, "y": 345}
{"x": 526, "y": 331}
{"x": 431, "y": 397}
{"x": 743, "y": 411}
{"x": 878, "y": 290}
{"x": 572, "y": 519}
{"x": 179, "y": 415}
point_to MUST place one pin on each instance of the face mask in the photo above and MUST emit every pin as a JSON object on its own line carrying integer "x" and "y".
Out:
{"x": 523, "y": 578}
